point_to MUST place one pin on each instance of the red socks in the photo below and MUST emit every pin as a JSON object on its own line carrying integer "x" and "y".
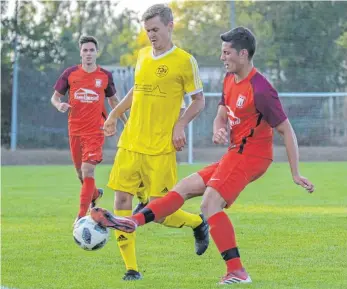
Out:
{"x": 222, "y": 232}
{"x": 160, "y": 208}
{"x": 95, "y": 194}
{"x": 86, "y": 196}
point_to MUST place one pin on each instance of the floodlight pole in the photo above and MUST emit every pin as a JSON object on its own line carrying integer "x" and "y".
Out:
{"x": 14, "y": 86}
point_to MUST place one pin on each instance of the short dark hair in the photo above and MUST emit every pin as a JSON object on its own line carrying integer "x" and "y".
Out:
{"x": 86, "y": 39}
{"x": 241, "y": 38}
{"x": 161, "y": 10}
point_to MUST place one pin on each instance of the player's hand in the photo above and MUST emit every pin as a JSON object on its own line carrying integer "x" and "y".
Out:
{"x": 179, "y": 137}
{"x": 110, "y": 127}
{"x": 220, "y": 136}
{"x": 63, "y": 107}
{"x": 305, "y": 183}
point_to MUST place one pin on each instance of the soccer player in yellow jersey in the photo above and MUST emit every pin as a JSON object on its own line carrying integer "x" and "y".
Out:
{"x": 146, "y": 154}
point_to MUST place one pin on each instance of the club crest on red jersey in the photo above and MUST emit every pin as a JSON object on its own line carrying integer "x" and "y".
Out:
{"x": 98, "y": 82}
{"x": 240, "y": 101}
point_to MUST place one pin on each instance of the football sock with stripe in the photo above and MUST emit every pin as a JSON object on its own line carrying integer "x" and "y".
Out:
{"x": 159, "y": 208}
{"x": 223, "y": 234}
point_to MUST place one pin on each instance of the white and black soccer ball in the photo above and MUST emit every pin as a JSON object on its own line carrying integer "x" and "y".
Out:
{"x": 89, "y": 235}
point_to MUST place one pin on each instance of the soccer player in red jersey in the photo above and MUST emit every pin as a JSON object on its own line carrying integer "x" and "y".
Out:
{"x": 87, "y": 84}
{"x": 250, "y": 108}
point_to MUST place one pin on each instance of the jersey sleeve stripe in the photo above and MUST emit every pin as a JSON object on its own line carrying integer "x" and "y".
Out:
{"x": 195, "y": 72}
{"x": 194, "y": 92}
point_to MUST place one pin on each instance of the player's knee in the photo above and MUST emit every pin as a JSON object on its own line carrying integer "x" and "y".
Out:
{"x": 123, "y": 201}
{"x": 190, "y": 187}
{"x": 212, "y": 203}
{"x": 88, "y": 171}
{"x": 209, "y": 209}
{"x": 204, "y": 207}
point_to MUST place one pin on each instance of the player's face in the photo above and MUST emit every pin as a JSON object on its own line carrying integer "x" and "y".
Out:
{"x": 158, "y": 33}
{"x": 233, "y": 61}
{"x": 88, "y": 53}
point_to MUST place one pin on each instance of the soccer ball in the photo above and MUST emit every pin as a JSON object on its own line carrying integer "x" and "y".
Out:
{"x": 89, "y": 235}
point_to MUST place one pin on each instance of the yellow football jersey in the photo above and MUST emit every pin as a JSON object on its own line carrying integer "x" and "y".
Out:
{"x": 161, "y": 82}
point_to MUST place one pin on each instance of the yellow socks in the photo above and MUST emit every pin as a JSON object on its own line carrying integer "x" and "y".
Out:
{"x": 182, "y": 218}
{"x": 126, "y": 243}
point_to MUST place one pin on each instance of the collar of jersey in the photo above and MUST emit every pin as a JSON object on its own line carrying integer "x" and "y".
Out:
{"x": 164, "y": 54}
{"x": 249, "y": 76}
{"x": 81, "y": 68}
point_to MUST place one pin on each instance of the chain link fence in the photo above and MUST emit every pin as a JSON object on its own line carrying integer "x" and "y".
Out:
{"x": 319, "y": 119}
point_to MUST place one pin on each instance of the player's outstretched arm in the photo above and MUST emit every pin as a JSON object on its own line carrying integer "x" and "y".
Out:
{"x": 111, "y": 122}
{"x": 285, "y": 129}
{"x": 220, "y": 132}
{"x": 56, "y": 102}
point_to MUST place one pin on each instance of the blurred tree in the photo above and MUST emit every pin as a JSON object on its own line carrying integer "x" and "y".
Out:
{"x": 48, "y": 33}
{"x": 198, "y": 25}
{"x": 114, "y": 30}
{"x": 141, "y": 40}
{"x": 301, "y": 45}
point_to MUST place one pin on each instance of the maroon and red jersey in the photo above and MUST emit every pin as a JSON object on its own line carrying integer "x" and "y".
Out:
{"x": 87, "y": 92}
{"x": 253, "y": 109}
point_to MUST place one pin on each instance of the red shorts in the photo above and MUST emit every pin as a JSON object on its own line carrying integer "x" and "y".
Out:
{"x": 233, "y": 173}
{"x": 86, "y": 149}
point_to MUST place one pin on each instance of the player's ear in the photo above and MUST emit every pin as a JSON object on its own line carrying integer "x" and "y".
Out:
{"x": 244, "y": 54}
{"x": 170, "y": 26}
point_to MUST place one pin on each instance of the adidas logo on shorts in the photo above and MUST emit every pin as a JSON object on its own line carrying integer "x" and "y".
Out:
{"x": 165, "y": 190}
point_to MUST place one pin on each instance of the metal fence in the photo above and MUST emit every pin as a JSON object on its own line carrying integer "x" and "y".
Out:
{"x": 319, "y": 119}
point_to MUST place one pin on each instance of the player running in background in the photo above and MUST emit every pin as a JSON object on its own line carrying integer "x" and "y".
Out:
{"x": 164, "y": 74}
{"x": 87, "y": 84}
{"x": 250, "y": 108}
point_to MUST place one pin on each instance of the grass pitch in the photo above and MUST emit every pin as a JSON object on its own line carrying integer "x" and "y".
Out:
{"x": 287, "y": 238}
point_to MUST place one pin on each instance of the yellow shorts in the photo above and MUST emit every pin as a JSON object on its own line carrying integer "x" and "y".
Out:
{"x": 158, "y": 173}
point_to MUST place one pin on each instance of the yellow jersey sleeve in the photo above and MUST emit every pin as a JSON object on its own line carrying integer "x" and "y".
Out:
{"x": 191, "y": 77}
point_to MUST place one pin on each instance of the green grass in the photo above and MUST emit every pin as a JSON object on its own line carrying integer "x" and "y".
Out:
{"x": 287, "y": 238}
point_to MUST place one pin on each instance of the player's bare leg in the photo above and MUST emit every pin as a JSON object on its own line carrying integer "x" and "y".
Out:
{"x": 222, "y": 232}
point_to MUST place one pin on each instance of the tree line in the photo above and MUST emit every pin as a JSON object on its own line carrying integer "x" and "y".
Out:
{"x": 302, "y": 46}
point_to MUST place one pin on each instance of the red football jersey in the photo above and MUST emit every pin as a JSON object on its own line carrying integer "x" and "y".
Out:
{"x": 253, "y": 110}
{"x": 87, "y": 92}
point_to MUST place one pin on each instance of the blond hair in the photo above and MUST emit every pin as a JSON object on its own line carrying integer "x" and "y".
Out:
{"x": 161, "y": 10}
